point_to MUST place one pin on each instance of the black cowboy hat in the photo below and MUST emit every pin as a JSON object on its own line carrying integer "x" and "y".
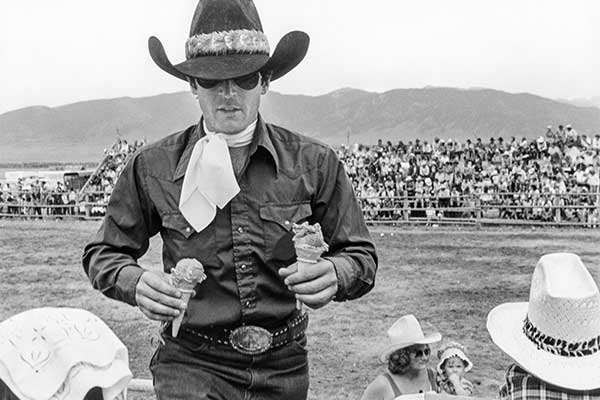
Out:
{"x": 227, "y": 41}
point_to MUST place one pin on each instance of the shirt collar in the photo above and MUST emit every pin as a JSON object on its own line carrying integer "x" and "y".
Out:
{"x": 262, "y": 138}
{"x": 195, "y": 135}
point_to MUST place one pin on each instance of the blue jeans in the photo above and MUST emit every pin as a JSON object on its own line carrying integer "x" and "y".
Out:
{"x": 203, "y": 370}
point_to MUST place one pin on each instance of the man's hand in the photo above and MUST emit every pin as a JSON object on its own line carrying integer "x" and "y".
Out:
{"x": 314, "y": 286}
{"x": 157, "y": 298}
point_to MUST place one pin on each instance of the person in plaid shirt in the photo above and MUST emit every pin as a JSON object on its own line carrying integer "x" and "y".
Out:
{"x": 554, "y": 339}
{"x": 520, "y": 385}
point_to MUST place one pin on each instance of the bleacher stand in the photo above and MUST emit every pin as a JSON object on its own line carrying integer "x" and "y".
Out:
{"x": 554, "y": 178}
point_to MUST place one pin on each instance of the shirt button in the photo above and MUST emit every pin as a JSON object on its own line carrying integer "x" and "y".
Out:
{"x": 188, "y": 229}
{"x": 241, "y": 230}
{"x": 287, "y": 222}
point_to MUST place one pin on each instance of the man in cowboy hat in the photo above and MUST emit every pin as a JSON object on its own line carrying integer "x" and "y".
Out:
{"x": 554, "y": 338}
{"x": 227, "y": 192}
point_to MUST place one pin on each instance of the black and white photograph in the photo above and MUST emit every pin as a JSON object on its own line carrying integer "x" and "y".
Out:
{"x": 299, "y": 200}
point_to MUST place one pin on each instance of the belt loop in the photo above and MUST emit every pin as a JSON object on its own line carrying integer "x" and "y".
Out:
{"x": 290, "y": 333}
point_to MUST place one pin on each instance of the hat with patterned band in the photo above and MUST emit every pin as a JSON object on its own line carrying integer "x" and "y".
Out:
{"x": 556, "y": 335}
{"x": 227, "y": 41}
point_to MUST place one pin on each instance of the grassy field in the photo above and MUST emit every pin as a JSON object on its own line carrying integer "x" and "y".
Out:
{"x": 449, "y": 278}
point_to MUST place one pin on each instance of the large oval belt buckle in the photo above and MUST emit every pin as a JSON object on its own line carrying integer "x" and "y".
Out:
{"x": 250, "y": 339}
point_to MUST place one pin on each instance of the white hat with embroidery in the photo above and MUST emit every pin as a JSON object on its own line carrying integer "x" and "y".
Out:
{"x": 452, "y": 349}
{"x": 61, "y": 353}
{"x": 556, "y": 335}
{"x": 405, "y": 332}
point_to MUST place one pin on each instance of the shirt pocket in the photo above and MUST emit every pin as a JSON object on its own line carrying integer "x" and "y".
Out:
{"x": 277, "y": 220}
{"x": 177, "y": 222}
{"x": 182, "y": 241}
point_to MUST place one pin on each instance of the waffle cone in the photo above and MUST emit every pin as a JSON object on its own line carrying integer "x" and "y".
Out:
{"x": 308, "y": 254}
{"x": 185, "y": 297}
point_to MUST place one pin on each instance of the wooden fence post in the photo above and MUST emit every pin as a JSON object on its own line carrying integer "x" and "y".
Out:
{"x": 478, "y": 211}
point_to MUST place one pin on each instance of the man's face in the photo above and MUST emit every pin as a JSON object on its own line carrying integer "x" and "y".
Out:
{"x": 227, "y": 108}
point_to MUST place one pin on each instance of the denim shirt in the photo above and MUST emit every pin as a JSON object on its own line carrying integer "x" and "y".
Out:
{"x": 288, "y": 179}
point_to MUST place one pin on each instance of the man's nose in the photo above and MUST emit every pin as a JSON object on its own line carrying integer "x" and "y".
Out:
{"x": 227, "y": 88}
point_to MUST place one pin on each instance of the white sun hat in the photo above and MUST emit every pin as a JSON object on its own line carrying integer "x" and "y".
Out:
{"x": 450, "y": 350}
{"x": 61, "y": 353}
{"x": 405, "y": 332}
{"x": 556, "y": 335}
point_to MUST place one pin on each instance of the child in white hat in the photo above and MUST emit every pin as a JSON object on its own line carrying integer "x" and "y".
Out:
{"x": 452, "y": 365}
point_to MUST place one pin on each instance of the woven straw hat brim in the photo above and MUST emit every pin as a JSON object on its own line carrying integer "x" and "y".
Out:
{"x": 289, "y": 52}
{"x": 432, "y": 338}
{"x": 505, "y": 325}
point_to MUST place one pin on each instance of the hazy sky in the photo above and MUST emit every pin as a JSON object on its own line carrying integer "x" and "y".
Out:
{"x": 62, "y": 51}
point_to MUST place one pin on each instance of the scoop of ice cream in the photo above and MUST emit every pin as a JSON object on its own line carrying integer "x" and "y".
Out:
{"x": 306, "y": 235}
{"x": 187, "y": 273}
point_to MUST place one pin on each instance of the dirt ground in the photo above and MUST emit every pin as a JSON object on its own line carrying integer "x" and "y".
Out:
{"x": 448, "y": 277}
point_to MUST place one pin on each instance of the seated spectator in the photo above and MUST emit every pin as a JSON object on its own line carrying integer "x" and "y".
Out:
{"x": 407, "y": 357}
{"x": 593, "y": 181}
{"x": 554, "y": 338}
{"x": 452, "y": 365}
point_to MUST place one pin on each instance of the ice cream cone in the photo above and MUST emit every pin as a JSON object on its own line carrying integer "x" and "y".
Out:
{"x": 309, "y": 244}
{"x": 304, "y": 263}
{"x": 185, "y": 276}
{"x": 308, "y": 254}
{"x": 185, "y": 297}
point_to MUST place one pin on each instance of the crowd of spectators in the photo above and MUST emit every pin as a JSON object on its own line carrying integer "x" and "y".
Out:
{"x": 101, "y": 184}
{"x": 36, "y": 197}
{"x": 552, "y": 178}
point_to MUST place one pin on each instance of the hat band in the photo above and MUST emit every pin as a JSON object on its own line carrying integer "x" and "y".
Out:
{"x": 227, "y": 42}
{"x": 559, "y": 347}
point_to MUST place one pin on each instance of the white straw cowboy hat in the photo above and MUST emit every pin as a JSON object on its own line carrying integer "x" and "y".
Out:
{"x": 556, "y": 335}
{"x": 226, "y": 41}
{"x": 405, "y": 332}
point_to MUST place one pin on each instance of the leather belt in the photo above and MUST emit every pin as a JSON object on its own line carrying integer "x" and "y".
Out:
{"x": 251, "y": 339}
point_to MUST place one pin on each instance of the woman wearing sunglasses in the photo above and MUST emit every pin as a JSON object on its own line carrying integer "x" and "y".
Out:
{"x": 407, "y": 358}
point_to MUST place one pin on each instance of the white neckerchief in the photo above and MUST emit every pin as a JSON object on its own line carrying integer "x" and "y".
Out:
{"x": 209, "y": 180}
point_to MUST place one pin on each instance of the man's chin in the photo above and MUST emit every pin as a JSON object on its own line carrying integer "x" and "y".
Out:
{"x": 230, "y": 126}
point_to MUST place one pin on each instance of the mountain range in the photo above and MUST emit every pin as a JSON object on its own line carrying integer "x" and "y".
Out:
{"x": 79, "y": 132}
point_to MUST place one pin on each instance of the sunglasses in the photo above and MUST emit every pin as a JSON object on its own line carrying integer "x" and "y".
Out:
{"x": 246, "y": 82}
{"x": 422, "y": 352}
